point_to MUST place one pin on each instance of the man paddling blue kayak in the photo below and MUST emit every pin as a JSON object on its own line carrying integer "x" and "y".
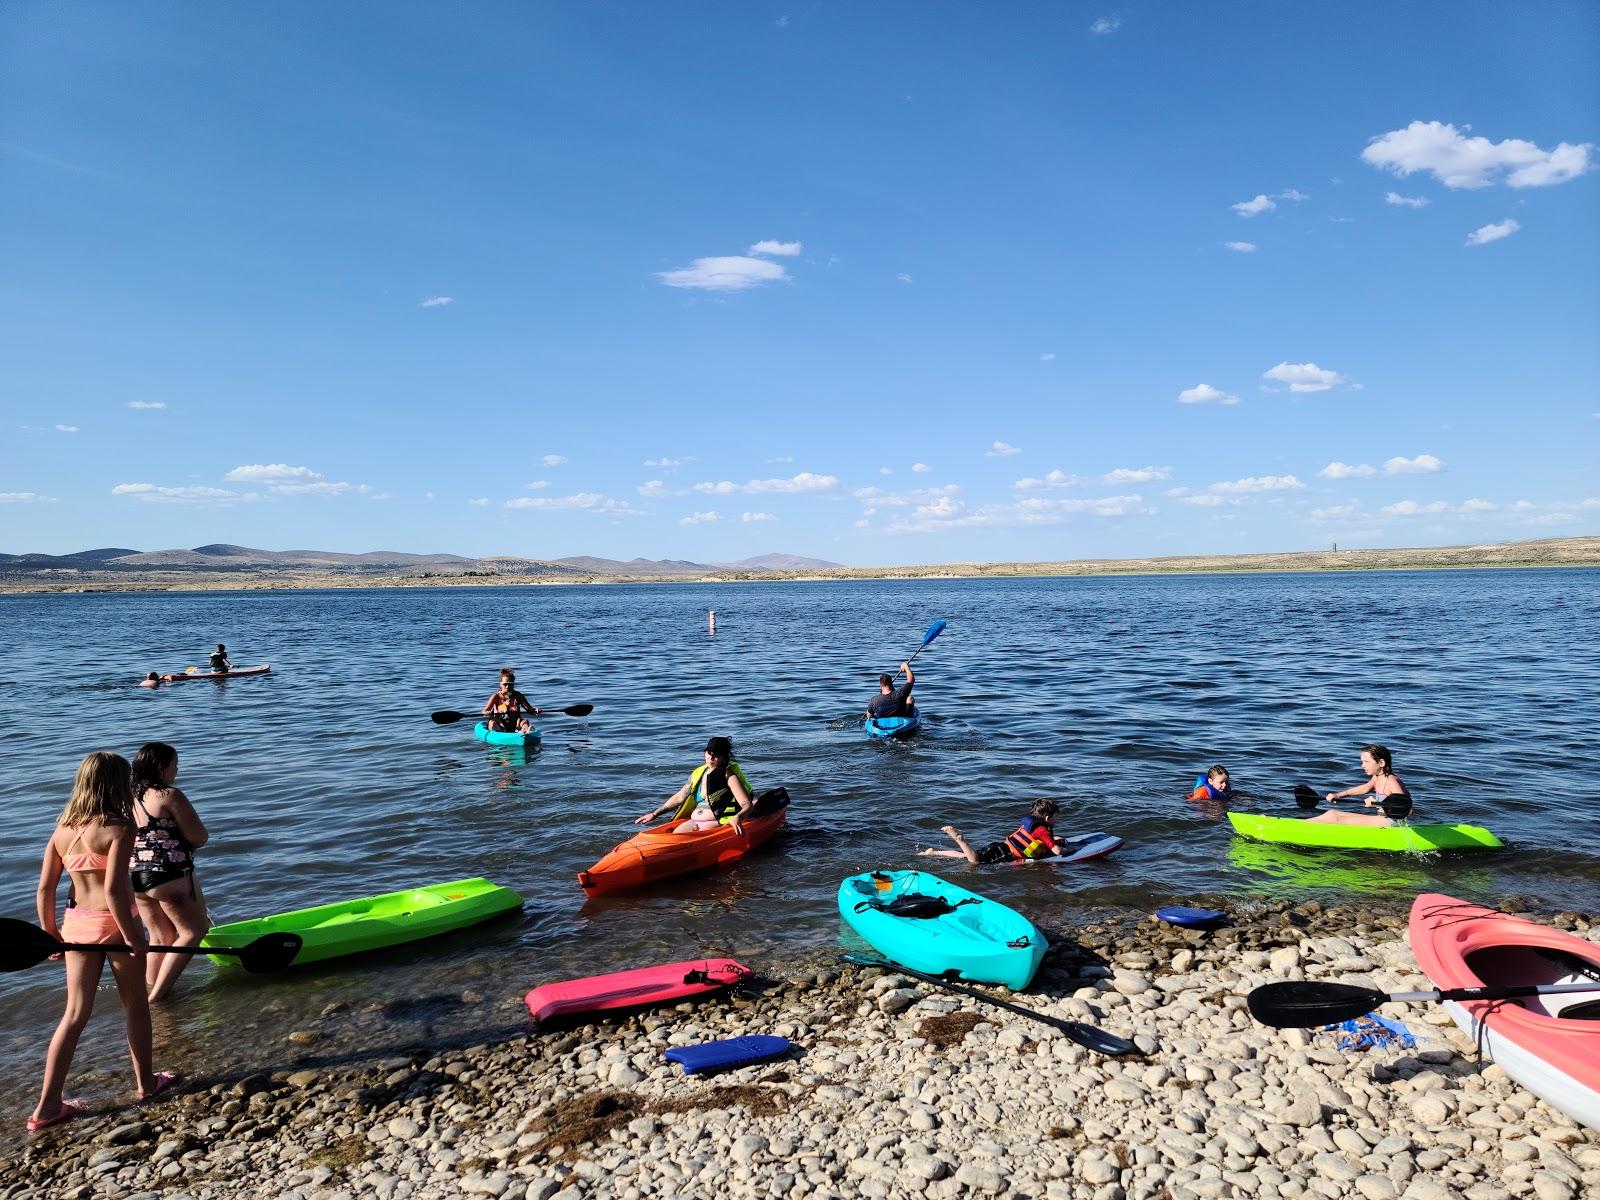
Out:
{"x": 894, "y": 701}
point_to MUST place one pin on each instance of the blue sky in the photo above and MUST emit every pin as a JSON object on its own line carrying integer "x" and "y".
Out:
{"x": 879, "y": 283}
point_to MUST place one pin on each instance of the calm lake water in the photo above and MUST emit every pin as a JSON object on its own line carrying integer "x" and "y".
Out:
{"x": 326, "y": 780}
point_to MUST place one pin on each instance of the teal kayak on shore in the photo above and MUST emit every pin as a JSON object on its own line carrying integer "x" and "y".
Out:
{"x": 1403, "y": 838}
{"x": 928, "y": 924}
{"x": 373, "y": 922}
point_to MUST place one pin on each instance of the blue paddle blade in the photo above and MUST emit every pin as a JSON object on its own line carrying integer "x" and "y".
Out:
{"x": 934, "y": 631}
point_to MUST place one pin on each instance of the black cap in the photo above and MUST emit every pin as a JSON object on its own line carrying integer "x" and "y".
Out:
{"x": 720, "y": 746}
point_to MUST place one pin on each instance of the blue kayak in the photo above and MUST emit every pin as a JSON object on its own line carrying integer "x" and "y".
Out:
{"x": 941, "y": 928}
{"x": 495, "y": 738}
{"x": 891, "y": 727}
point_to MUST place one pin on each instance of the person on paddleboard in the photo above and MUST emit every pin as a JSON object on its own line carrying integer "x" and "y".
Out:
{"x": 894, "y": 701}
{"x": 503, "y": 711}
{"x": 1034, "y": 838}
{"x": 219, "y": 660}
{"x": 1382, "y": 783}
{"x": 716, "y": 793}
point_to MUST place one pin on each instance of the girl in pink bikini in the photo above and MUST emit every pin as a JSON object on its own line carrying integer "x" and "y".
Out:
{"x": 92, "y": 841}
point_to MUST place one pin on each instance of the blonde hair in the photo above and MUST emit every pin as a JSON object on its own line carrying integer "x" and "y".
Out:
{"x": 102, "y": 792}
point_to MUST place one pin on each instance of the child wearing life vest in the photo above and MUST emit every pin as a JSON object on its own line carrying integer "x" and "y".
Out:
{"x": 1034, "y": 838}
{"x": 1213, "y": 785}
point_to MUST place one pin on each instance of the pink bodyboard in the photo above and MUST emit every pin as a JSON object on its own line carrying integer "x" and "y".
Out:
{"x": 634, "y": 989}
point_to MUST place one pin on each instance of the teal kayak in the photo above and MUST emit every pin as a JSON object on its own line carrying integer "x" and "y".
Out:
{"x": 892, "y": 727}
{"x": 495, "y": 738}
{"x": 956, "y": 932}
{"x": 371, "y": 923}
{"x": 1404, "y": 838}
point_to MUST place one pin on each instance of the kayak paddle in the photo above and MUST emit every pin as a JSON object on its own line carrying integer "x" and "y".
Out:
{"x": 23, "y": 945}
{"x": 934, "y": 631}
{"x": 1086, "y": 1036}
{"x": 450, "y": 716}
{"x": 1395, "y": 806}
{"x": 1301, "y": 1004}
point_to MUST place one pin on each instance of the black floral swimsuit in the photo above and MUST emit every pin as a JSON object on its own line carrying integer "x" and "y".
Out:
{"x": 160, "y": 853}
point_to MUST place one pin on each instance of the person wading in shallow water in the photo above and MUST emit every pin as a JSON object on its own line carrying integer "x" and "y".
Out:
{"x": 92, "y": 842}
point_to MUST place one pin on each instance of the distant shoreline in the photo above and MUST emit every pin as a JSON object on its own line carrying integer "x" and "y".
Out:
{"x": 1547, "y": 552}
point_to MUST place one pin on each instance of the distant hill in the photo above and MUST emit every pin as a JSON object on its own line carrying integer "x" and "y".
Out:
{"x": 225, "y": 557}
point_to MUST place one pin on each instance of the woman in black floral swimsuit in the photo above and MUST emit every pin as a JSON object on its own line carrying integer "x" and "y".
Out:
{"x": 167, "y": 833}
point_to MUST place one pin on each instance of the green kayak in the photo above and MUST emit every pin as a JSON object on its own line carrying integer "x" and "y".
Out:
{"x": 1292, "y": 831}
{"x": 353, "y": 926}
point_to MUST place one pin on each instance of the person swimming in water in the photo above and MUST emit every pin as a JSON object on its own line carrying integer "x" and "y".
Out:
{"x": 1387, "y": 793}
{"x": 1213, "y": 785}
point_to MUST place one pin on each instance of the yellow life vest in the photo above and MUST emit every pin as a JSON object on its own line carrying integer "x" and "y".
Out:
{"x": 721, "y": 803}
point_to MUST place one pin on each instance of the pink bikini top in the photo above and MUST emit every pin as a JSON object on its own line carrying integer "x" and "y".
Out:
{"x": 85, "y": 861}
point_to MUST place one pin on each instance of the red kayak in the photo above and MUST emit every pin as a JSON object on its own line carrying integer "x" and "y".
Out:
{"x": 659, "y": 853}
{"x": 634, "y": 989}
{"x": 1548, "y": 1044}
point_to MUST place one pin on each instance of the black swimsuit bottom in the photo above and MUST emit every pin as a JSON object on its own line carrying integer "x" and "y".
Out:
{"x": 145, "y": 878}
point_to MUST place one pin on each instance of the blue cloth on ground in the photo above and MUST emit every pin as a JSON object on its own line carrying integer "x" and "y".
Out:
{"x": 1371, "y": 1030}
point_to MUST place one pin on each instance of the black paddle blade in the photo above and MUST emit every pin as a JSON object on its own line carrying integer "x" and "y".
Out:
{"x": 1300, "y": 1004}
{"x": 448, "y": 716}
{"x": 268, "y": 953}
{"x": 579, "y": 710}
{"x": 23, "y": 945}
{"x": 1305, "y": 797}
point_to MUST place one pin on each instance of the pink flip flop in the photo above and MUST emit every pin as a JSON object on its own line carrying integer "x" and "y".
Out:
{"x": 166, "y": 1081}
{"x": 68, "y": 1110}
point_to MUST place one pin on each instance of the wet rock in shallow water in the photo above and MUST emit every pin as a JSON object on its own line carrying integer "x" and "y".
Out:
{"x": 126, "y": 1135}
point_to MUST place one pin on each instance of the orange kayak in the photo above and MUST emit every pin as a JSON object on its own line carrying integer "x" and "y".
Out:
{"x": 660, "y": 854}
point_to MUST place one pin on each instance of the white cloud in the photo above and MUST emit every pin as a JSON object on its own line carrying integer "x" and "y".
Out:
{"x": 782, "y": 458}
{"x": 1474, "y": 162}
{"x": 1055, "y": 479}
{"x": 1241, "y": 247}
{"x": 757, "y": 516}
{"x": 1001, "y": 449}
{"x": 698, "y": 518}
{"x": 1031, "y": 510}
{"x": 1206, "y": 500}
{"x": 776, "y": 249}
{"x": 1303, "y": 377}
{"x": 1336, "y": 512}
{"x": 1485, "y": 234}
{"x": 319, "y": 488}
{"x": 875, "y": 498}
{"x": 1293, "y": 194}
{"x": 1410, "y": 508}
{"x": 1137, "y": 474}
{"x": 25, "y": 498}
{"x": 1258, "y": 483}
{"x": 1101, "y": 26}
{"x": 667, "y": 464}
{"x": 1422, "y": 464}
{"x": 1204, "y": 393}
{"x": 147, "y": 403}
{"x": 944, "y": 506}
{"x": 1339, "y": 470}
{"x": 804, "y": 482}
{"x": 1254, "y": 208}
{"x": 554, "y": 460}
{"x": 727, "y": 273}
{"x": 537, "y": 484}
{"x": 591, "y": 502}
{"x": 66, "y": 429}
{"x": 479, "y": 502}
{"x": 177, "y": 495}
{"x": 427, "y": 495}
{"x": 921, "y": 468}
{"x": 270, "y": 473}
{"x": 1476, "y": 505}
{"x": 1047, "y": 358}
{"x": 1399, "y": 201}
{"x": 655, "y": 489}
{"x": 437, "y": 302}
{"x": 1343, "y": 220}
{"x": 885, "y": 470}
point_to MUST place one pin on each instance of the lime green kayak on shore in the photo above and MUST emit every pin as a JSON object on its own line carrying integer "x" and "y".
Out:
{"x": 371, "y": 923}
{"x": 1414, "y": 839}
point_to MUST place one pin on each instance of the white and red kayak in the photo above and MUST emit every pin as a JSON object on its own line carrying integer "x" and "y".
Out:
{"x": 1548, "y": 1044}
{"x": 639, "y": 988}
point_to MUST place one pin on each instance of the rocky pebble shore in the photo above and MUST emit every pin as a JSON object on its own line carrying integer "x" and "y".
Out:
{"x": 894, "y": 1088}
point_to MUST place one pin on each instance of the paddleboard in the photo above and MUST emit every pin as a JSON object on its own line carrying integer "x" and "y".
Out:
{"x": 1191, "y": 918}
{"x": 236, "y": 673}
{"x": 728, "y": 1053}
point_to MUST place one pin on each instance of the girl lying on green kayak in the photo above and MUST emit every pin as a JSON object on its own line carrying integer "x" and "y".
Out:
{"x": 1388, "y": 793}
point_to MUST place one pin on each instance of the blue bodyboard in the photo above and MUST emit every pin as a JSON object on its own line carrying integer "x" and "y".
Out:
{"x": 1192, "y": 918}
{"x": 731, "y": 1052}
